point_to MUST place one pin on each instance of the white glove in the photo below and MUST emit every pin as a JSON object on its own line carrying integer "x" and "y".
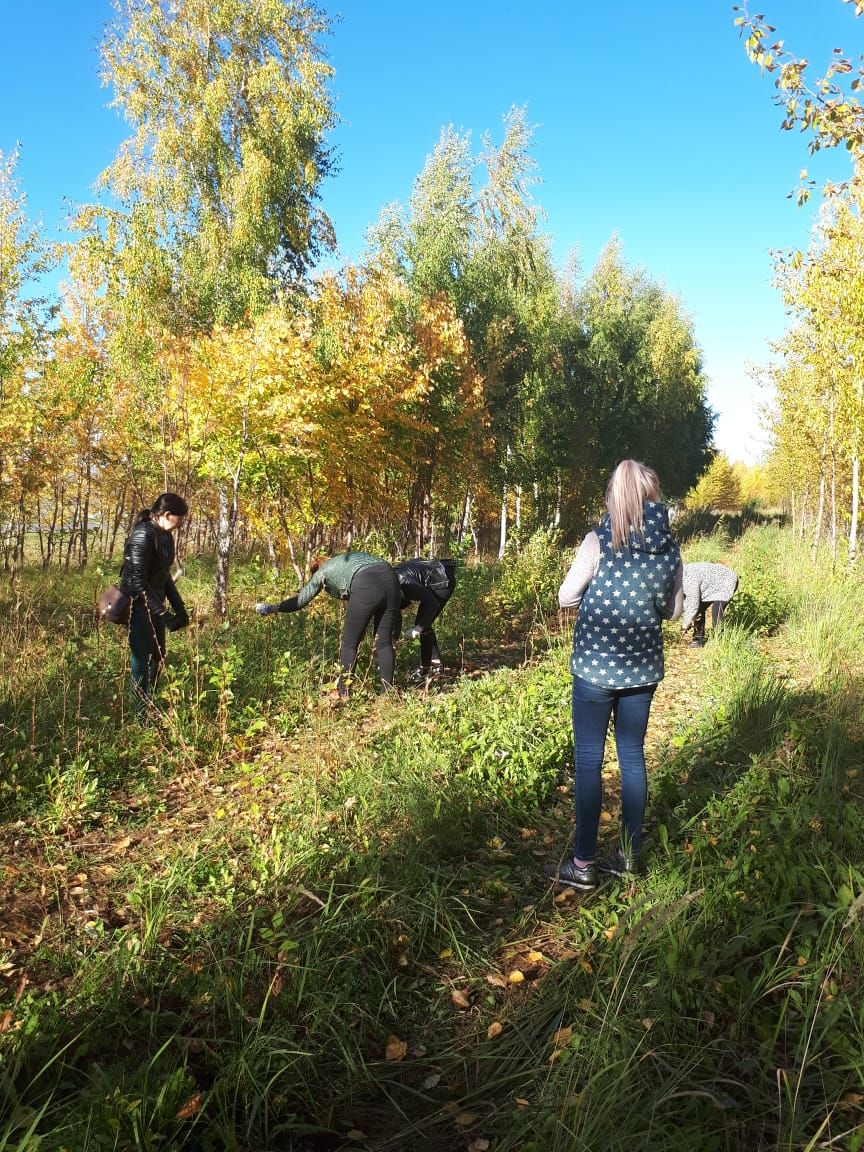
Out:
{"x": 413, "y": 633}
{"x": 266, "y": 609}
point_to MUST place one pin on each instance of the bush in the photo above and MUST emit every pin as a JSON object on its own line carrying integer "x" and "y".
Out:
{"x": 533, "y": 574}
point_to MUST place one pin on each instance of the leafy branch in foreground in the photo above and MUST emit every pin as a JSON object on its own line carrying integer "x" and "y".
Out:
{"x": 827, "y": 107}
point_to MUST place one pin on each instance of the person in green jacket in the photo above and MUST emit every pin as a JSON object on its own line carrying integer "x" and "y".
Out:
{"x": 372, "y": 590}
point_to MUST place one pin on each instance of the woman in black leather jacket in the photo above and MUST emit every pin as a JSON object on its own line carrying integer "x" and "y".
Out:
{"x": 429, "y": 584}
{"x": 146, "y": 576}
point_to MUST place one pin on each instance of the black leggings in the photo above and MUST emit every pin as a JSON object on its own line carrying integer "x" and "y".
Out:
{"x": 374, "y": 594}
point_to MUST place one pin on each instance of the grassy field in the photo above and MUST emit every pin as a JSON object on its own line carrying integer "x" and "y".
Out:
{"x": 265, "y": 925}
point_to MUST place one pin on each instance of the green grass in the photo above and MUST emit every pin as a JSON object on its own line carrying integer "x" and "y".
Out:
{"x": 223, "y": 925}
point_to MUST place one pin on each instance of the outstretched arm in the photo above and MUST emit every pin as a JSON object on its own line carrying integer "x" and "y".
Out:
{"x": 293, "y": 603}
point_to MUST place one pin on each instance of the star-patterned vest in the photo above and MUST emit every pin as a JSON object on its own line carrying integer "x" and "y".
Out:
{"x": 618, "y": 639}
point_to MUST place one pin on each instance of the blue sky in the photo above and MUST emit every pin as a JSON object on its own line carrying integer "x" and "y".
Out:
{"x": 650, "y": 123}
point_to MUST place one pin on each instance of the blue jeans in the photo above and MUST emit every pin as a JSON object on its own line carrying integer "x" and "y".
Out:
{"x": 592, "y": 707}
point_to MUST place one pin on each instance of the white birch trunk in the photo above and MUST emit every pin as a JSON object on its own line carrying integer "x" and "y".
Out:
{"x": 853, "y": 524}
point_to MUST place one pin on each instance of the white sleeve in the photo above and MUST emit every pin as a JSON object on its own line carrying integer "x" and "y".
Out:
{"x": 582, "y": 572}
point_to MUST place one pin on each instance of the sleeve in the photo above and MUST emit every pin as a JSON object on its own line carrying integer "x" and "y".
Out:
{"x": 307, "y": 592}
{"x": 691, "y": 598}
{"x": 430, "y": 605}
{"x": 582, "y": 572}
{"x": 675, "y": 603}
{"x": 137, "y": 562}
{"x": 174, "y": 598}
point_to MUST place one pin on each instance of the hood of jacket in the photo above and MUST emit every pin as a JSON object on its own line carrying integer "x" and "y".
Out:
{"x": 656, "y": 537}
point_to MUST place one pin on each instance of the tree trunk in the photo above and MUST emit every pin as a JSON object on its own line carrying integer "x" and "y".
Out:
{"x": 502, "y": 540}
{"x": 84, "y": 554}
{"x": 853, "y": 525}
{"x": 466, "y": 516}
{"x": 118, "y": 520}
{"x": 271, "y": 555}
{"x": 833, "y": 507}
{"x": 228, "y": 503}
{"x": 820, "y": 510}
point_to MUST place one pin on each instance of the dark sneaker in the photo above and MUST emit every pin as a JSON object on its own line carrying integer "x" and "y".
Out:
{"x": 619, "y": 863}
{"x": 570, "y": 875}
{"x": 696, "y": 643}
{"x": 416, "y": 676}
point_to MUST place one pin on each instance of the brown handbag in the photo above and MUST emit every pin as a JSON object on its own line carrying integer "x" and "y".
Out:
{"x": 114, "y": 605}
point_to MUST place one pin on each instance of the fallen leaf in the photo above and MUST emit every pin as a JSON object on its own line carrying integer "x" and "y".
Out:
{"x": 6, "y": 1021}
{"x": 647, "y": 1023}
{"x": 611, "y": 932}
{"x": 535, "y": 957}
{"x": 356, "y": 1134}
{"x": 515, "y": 977}
{"x": 396, "y": 1049}
{"x": 466, "y": 1119}
{"x": 564, "y": 896}
{"x": 562, "y": 1037}
{"x": 460, "y": 998}
{"x": 852, "y": 1099}
{"x": 496, "y": 981}
{"x": 521, "y": 1102}
{"x": 494, "y": 1029}
{"x": 190, "y": 1108}
{"x": 556, "y": 1055}
{"x": 432, "y": 1080}
{"x": 478, "y": 1145}
{"x": 445, "y": 953}
{"x": 122, "y": 845}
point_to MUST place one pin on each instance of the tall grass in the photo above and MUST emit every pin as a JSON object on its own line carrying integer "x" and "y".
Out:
{"x": 267, "y": 925}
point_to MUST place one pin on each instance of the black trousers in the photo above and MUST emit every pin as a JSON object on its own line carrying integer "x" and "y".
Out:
{"x": 429, "y": 652}
{"x": 718, "y": 607}
{"x": 374, "y": 595}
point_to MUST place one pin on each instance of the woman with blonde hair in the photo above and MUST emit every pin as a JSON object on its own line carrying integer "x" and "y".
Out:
{"x": 625, "y": 579}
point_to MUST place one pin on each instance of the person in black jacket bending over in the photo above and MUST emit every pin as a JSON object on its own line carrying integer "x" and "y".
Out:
{"x": 372, "y": 591}
{"x": 429, "y": 584}
{"x": 146, "y": 576}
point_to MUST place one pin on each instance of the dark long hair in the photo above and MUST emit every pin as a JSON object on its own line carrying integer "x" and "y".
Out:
{"x": 168, "y": 502}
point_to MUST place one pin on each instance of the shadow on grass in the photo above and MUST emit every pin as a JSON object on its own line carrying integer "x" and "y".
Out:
{"x": 283, "y": 1024}
{"x": 281, "y": 1014}
{"x": 732, "y": 525}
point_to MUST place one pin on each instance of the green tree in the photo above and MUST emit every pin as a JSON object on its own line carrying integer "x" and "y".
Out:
{"x": 719, "y": 488}
{"x": 24, "y": 330}
{"x": 218, "y": 184}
